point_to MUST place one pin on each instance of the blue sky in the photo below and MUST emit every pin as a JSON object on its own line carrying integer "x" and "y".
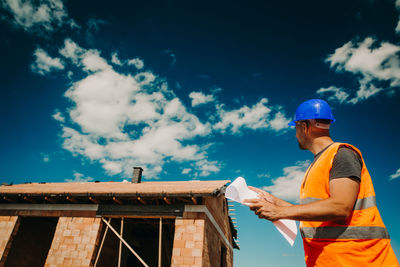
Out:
{"x": 198, "y": 90}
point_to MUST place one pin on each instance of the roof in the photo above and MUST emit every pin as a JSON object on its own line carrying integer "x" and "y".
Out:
{"x": 175, "y": 188}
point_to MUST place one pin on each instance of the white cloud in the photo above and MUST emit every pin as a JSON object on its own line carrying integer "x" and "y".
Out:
{"x": 198, "y": 98}
{"x": 395, "y": 175}
{"x": 126, "y": 120}
{"x": 122, "y": 120}
{"x": 288, "y": 186}
{"x": 58, "y": 116}
{"x": 372, "y": 62}
{"x": 207, "y": 167}
{"x": 44, "y": 64}
{"x": 186, "y": 170}
{"x": 89, "y": 60}
{"x": 79, "y": 178}
{"x": 115, "y": 59}
{"x": 92, "y": 61}
{"x": 279, "y": 122}
{"x": 137, "y": 62}
{"x": 38, "y": 16}
{"x": 71, "y": 51}
{"x": 264, "y": 175}
{"x": 397, "y": 30}
{"x": 336, "y": 93}
{"x": 259, "y": 116}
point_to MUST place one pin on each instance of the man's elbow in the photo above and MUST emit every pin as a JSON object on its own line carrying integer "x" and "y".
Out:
{"x": 342, "y": 212}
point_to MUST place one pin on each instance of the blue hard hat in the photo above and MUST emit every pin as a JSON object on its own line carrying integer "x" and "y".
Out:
{"x": 312, "y": 109}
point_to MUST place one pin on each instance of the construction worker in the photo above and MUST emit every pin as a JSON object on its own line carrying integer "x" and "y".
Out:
{"x": 339, "y": 220}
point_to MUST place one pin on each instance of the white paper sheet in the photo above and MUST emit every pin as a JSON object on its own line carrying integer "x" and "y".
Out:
{"x": 238, "y": 191}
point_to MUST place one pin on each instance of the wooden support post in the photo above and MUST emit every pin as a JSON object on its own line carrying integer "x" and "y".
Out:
{"x": 120, "y": 242}
{"x": 159, "y": 243}
{"x": 28, "y": 199}
{"x": 125, "y": 243}
{"x": 72, "y": 199}
{"x": 50, "y": 200}
{"x": 94, "y": 200}
{"x": 118, "y": 201}
{"x": 142, "y": 200}
{"x": 101, "y": 244}
{"x": 167, "y": 201}
{"x": 9, "y": 200}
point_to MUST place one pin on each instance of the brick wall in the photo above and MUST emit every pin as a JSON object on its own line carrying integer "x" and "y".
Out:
{"x": 74, "y": 242}
{"x": 213, "y": 241}
{"x": 188, "y": 240}
{"x": 7, "y": 225}
{"x": 196, "y": 240}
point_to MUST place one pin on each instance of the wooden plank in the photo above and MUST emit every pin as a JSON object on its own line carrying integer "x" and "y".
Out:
{"x": 141, "y": 210}
{"x": 126, "y": 244}
{"x": 101, "y": 244}
{"x": 120, "y": 242}
{"x": 48, "y": 213}
{"x": 159, "y": 243}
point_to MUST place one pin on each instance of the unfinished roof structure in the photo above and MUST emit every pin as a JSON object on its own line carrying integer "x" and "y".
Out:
{"x": 116, "y": 224}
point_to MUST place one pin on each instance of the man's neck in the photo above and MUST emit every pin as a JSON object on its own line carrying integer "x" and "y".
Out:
{"x": 319, "y": 144}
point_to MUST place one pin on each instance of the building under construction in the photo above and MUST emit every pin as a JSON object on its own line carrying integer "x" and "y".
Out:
{"x": 116, "y": 224}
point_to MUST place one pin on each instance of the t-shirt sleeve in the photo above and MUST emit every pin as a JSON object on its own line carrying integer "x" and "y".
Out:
{"x": 347, "y": 163}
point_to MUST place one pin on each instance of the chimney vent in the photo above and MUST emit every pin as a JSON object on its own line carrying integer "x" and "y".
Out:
{"x": 137, "y": 175}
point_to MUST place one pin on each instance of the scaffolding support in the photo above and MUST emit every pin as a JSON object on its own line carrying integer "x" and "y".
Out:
{"x": 159, "y": 243}
{"x": 101, "y": 244}
{"x": 125, "y": 243}
{"x": 120, "y": 242}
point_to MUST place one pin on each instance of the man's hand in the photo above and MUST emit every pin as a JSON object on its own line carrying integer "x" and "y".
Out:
{"x": 264, "y": 209}
{"x": 269, "y": 197}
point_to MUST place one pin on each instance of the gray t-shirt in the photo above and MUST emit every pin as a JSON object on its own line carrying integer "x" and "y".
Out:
{"x": 347, "y": 163}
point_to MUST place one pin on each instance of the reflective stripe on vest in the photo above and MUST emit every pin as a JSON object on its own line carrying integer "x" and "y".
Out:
{"x": 345, "y": 232}
{"x": 363, "y": 203}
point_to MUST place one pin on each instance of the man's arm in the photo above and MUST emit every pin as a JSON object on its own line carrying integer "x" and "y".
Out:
{"x": 343, "y": 192}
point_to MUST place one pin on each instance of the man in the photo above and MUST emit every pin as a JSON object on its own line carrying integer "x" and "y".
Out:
{"x": 339, "y": 221}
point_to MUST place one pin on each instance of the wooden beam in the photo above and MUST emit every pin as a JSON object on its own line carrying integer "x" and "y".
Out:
{"x": 183, "y": 199}
{"x": 29, "y": 199}
{"x": 142, "y": 200}
{"x": 118, "y": 201}
{"x": 101, "y": 244}
{"x": 159, "y": 243}
{"x": 72, "y": 200}
{"x": 141, "y": 210}
{"x": 9, "y": 199}
{"x": 125, "y": 243}
{"x": 120, "y": 242}
{"x": 50, "y": 200}
{"x": 167, "y": 201}
{"x": 95, "y": 201}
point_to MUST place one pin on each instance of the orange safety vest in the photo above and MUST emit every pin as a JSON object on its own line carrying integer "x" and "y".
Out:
{"x": 362, "y": 240}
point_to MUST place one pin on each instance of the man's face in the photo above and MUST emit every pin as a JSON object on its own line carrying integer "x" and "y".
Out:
{"x": 300, "y": 134}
